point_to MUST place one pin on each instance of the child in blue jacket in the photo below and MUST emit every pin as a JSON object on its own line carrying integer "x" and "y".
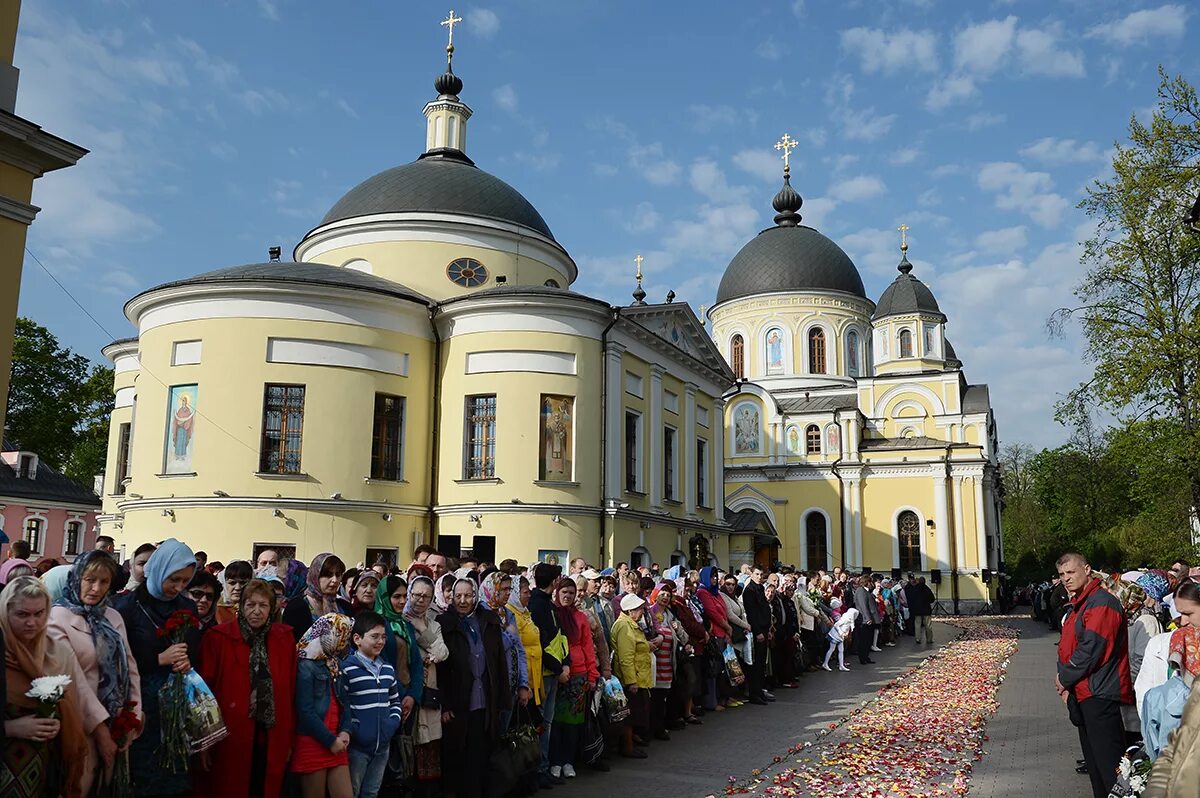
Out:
{"x": 374, "y": 701}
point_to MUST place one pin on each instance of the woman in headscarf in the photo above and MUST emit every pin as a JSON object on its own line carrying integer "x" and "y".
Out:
{"x": 204, "y": 590}
{"x": 233, "y": 579}
{"x": 633, "y": 665}
{"x": 443, "y": 593}
{"x": 427, "y": 735}
{"x": 474, "y": 686}
{"x": 527, "y": 631}
{"x": 55, "y": 581}
{"x": 294, "y": 582}
{"x": 571, "y": 704}
{"x": 400, "y": 649}
{"x": 667, "y": 627}
{"x": 320, "y": 594}
{"x": 322, "y": 716}
{"x": 250, "y": 665}
{"x": 145, "y": 611}
{"x": 717, "y": 689}
{"x": 495, "y": 590}
{"x": 366, "y": 587}
{"x": 137, "y": 567}
{"x": 41, "y": 756}
{"x": 43, "y": 566}
{"x": 83, "y": 620}
{"x": 11, "y": 568}
{"x": 1143, "y": 625}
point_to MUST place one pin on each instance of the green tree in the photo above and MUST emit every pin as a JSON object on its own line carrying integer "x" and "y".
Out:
{"x": 1139, "y": 302}
{"x": 59, "y": 403}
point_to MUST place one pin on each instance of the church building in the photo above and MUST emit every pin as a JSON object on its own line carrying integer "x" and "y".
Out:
{"x": 423, "y": 372}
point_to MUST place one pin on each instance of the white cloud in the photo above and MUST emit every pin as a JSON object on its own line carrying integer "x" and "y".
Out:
{"x": 1007, "y": 240}
{"x": 876, "y": 249}
{"x": 483, "y": 22}
{"x": 1039, "y": 53}
{"x": 984, "y": 119}
{"x": 770, "y": 50}
{"x": 643, "y": 218}
{"x": 890, "y": 51}
{"x": 856, "y": 189}
{"x": 866, "y": 124}
{"x": 505, "y": 97}
{"x": 760, "y": 163}
{"x": 816, "y": 137}
{"x": 651, "y": 162}
{"x": 982, "y": 48}
{"x": 710, "y": 117}
{"x": 347, "y": 108}
{"x": 708, "y": 179}
{"x": 1031, "y": 193}
{"x": 1056, "y": 151}
{"x": 948, "y": 91}
{"x": 1147, "y": 26}
{"x": 904, "y": 155}
{"x": 269, "y": 10}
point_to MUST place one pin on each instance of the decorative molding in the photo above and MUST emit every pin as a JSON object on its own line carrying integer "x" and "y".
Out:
{"x": 312, "y": 352}
{"x": 506, "y": 361}
{"x": 268, "y": 503}
{"x": 17, "y": 211}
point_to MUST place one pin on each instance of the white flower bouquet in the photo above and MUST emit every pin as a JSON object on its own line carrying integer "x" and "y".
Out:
{"x": 48, "y": 691}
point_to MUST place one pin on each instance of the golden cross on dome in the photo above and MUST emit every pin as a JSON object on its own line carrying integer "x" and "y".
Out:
{"x": 450, "y": 22}
{"x": 787, "y": 144}
{"x": 638, "y": 260}
{"x": 903, "y": 228}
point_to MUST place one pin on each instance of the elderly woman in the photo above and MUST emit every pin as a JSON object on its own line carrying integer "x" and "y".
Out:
{"x": 400, "y": 649}
{"x": 137, "y": 567}
{"x": 570, "y": 706}
{"x": 428, "y": 732}
{"x": 527, "y": 631}
{"x": 495, "y": 590}
{"x": 234, "y": 577}
{"x": 204, "y": 590}
{"x": 320, "y": 594}
{"x": 362, "y": 596}
{"x": 322, "y": 715}
{"x": 250, "y": 665}
{"x": 145, "y": 612}
{"x": 12, "y": 568}
{"x": 41, "y": 756}
{"x": 83, "y": 620}
{"x": 633, "y": 665}
{"x": 669, "y": 636}
{"x": 474, "y": 680}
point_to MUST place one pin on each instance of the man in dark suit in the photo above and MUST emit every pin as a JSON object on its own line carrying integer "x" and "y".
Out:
{"x": 758, "y": 614}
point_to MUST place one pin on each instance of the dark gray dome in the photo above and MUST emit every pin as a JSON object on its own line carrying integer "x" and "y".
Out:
{"x": 445, "y": 181}
{"x": 789, "y": 259}
{"x": 303, "y": 273}
{"x": 906, "y": 294}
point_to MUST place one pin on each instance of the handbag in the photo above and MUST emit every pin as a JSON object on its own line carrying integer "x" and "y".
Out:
{"x": 402, "y": 759}
{"x": 592, "y": 740}
{"x": 516, "y": 754}
{"x": 431, "y": 698}
{"x": 615, "y": 701}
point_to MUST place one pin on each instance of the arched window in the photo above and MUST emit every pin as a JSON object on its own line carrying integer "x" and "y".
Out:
{"x": 816, "y": 351}
{"x": 814, "y": 541}
{"x": 737, "y": 354}
{"x": 852, "y": 353}
{"x": 908, "y": 530}
{"x": 906, "y": 343}
{"x": 812, "y": 439}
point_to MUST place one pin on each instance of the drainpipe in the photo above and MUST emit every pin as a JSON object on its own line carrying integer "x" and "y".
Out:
{"x": 437, "y": 418}
{"x": 606, "y": 522}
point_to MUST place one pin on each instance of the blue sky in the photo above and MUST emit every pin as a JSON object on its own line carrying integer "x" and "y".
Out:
{"x": 220, "y": 128}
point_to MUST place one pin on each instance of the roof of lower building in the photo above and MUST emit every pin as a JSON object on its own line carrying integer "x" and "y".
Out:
{"x": 915, "y": 442}
{"x": 49, "y": 487}
{"x": 976, "y": 399}
{"x": 821, "y": 403}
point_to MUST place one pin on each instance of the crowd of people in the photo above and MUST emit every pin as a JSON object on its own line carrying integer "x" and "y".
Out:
{"x": 1128, "y": 657}
{"x": 432, "y": 680}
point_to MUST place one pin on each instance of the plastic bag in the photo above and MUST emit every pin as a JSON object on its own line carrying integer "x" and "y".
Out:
{"x": 615, "y": 701}
{"x": 733, "y": 668}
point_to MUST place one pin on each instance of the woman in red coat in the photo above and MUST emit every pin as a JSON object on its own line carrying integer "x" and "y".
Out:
{"x": 250, "y": 664}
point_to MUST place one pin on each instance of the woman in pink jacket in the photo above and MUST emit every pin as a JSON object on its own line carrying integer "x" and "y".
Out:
{"x": 571, "y": 707}
{"x": 95, "y": 631}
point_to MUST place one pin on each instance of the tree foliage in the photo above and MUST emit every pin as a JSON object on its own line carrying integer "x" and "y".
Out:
{"x": 58, "y": 403}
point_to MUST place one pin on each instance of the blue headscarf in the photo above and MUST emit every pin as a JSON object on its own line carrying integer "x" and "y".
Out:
{"x": 708, "y": 579}
{"x": 170, "y": 557}
{"x": 55, "y": 581}
{"x": 112, "y": 658}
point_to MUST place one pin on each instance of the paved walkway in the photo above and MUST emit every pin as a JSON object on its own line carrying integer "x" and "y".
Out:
{"x": 1031, "y": 748}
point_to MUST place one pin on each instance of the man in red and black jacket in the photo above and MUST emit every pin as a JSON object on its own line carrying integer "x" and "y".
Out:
{"x": 1093, "y": 669}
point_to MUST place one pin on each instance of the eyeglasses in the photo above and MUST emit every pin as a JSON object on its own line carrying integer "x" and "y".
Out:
{"x": 201, "y": 595}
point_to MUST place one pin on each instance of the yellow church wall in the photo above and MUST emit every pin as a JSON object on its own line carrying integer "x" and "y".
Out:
{"x": 518, "y": 407}
{"x": 882, "y": 499}
{"x": 623, "y": 535}
{"x": 528, "y": 535}
{"x": 421, "y": 265}
{"x": 336, "y": 438}
{"x": 633, "y": 365}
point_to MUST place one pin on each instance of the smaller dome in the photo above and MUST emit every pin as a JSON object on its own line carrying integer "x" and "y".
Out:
{"x": 448, "y": 83}
{"x": 906, "y": 294}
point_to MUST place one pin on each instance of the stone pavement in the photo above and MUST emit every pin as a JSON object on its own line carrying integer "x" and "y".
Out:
{"x": 1031, "y": 747}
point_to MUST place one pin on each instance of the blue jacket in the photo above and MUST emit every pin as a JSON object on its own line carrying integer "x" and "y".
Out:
{"x": 315, "y": 686}
{"x": 416, "y": 663}
{"x": 374, "y": 704}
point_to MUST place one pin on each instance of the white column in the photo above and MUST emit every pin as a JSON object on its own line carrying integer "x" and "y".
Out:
{"x": 959, "y": 520}
{"x": 855, "y": 437}
{"x": 688, "y": 442}
{"x": 716, "y": 423}
{"x": 941, "y": 519}
{"x": 982, "y": 494}
{"x": 856, "y": 496}
{"x": 655, "y": 430}
{"x": 614, "y": 422}
{"x": 847, "y": 535}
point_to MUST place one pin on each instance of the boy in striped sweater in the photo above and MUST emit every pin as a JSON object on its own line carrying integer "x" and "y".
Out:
{"x": 373, "y": 698}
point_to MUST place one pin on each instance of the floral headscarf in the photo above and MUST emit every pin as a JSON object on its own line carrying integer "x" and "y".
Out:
{"x": 489, "y": 589}
{"x": 1185, "y": 652}
{"x": 1131, "y": 596}
{"x": 439, "y": 603}
{"x": 296, "y": 580}
{"x": 321, "y": 603}
{"x": 1155, "y": 584}
{"x": 327, "y": 639}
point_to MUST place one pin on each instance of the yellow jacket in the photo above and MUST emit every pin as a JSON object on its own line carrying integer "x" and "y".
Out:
{"x": 631, "y": 654}
{"x": 531, "y": 640}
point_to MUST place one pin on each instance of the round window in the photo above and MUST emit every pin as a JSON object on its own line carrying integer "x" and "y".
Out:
{"x": 467, "y": 272}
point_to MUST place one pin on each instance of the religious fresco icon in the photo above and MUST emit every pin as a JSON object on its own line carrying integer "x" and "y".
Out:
{"x": 556, "y": 463}
{"x": 746, "y": 433}
{"x": 774, "y": 350}
{"x": 181, "y": 429}
{"x": 793, "y": 439}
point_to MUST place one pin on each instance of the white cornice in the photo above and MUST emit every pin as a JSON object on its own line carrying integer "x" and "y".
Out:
{"x": 18, "y": 211}
{"x": 536, "y": 311}
{"x": 795, "y": 299}
{"x": 442, "y": 227}
{"x": 256, "y": 502}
